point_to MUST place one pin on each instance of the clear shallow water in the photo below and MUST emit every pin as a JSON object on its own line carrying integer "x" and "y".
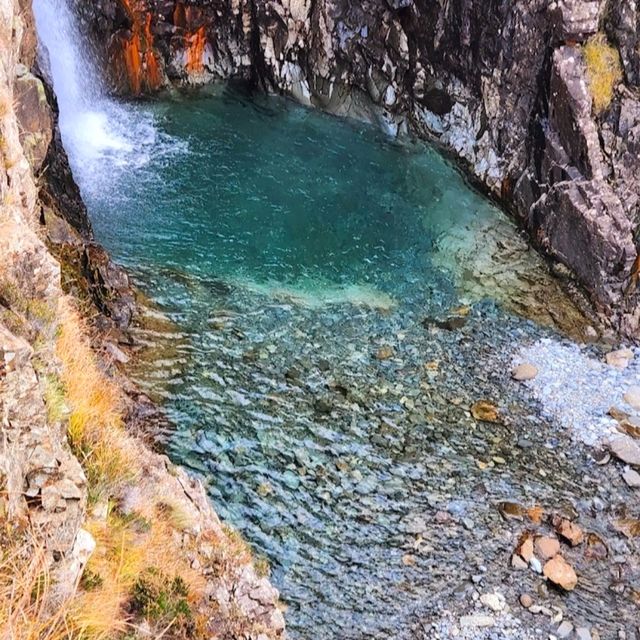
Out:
{"x": 285, "y": 249}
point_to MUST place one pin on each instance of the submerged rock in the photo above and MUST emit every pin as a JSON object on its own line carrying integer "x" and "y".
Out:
{"x": 485, "y": 411}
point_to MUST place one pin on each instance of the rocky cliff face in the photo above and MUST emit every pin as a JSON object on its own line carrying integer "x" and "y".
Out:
{"x": 503, "y": 85}
{"x": 98, "y": 533}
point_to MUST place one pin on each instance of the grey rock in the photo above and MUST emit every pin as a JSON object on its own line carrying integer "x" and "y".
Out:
{"x": 625, "y": 448}
{"x": 564, "y": 630}
{"x": 631, "y": 477}
{"x": 477, "y": 621}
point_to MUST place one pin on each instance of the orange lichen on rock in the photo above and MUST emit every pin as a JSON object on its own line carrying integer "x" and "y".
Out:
{"x": 141, "y": 63}
{"x": 132, "y": 63}
{"x": 195, "y": 50}
{"x": 153, "y": 76}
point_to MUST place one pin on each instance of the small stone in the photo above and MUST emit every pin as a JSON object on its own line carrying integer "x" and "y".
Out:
{"x": 69, "y": 490}
{"x": 632, "y": 397}
{"x": 570, "y": 531}
{"x": 561, "y": 573}
{"x": 625, "y": 448}
{"x": 495, "y": 601}
{"x": 524, "y": 371}
{"x": 596, "y": 548}
{"x": 477, "y": 621}
{"x": 583, "y": 633}
{"x": 264, "y": 489}
{"x": 564, "y": 629}
{"x": 322, "y": 406}
{"x": 619, "y": 359}
{"x": 618, "y": 414}
{"x": 451, "y": 323}
{"x": 525, "y": 548}
{"x": 517, "y": 562}
{"x": 546, "y": 547}
{"x": 385, "y": 352}
{"x": 485, "y": 411}
{"x": 535, "y": 564}
{"x": 631, "y": 477}
{"x": 526, "y": 600}
{"x": 590, "y": 333}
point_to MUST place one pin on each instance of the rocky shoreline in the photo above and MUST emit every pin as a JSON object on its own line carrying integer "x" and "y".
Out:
{"x": 511, "y": 90}
{"x": 76, "y": 486}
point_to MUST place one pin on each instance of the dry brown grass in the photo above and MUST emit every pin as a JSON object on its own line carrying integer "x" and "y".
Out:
{"x": 25, "y": 609}
{"x": 127, "y": 547}
{"x": 96, "y": 430}
{"x": 604, "y": 70}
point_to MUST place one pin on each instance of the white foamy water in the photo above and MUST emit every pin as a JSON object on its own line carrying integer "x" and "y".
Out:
{"x": 100, "y": 134}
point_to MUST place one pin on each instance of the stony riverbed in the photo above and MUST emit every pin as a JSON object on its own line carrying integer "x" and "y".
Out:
{"x": 341, "y": 441}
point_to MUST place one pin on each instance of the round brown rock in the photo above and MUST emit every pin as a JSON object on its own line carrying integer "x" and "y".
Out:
{"x": 524, "y": 371}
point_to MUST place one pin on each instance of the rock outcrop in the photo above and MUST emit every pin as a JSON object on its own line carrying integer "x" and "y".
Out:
{"x": 504, "y": 86}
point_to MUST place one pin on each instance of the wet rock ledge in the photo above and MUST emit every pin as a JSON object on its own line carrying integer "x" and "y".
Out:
{"x": 539, "y": 98}
{"x": 99, "y": 536}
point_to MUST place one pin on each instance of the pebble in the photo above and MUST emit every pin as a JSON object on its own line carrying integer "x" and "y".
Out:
{"x": 385, "y": 352}
{"x": 564, "y": 629}
{"x": 477, "y": 621}
{"x": 546, "y": 547}
{"x": 535, "y": 564}
{"x": 526, "y": 600}
{"x": 625, "y": 448}
{"x": 524, "y": 371}
{"x": 583, "y": 633}
{"x": 570, "y": 531}
{"x": 560, "y": 572}
{"x": 619, "y": 359}
{"x": 631, "y": 477}
{"x": 495, "y": 601}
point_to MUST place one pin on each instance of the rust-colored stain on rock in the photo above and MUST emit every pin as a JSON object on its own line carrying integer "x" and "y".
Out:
{"x": 141, "y": 63}
{"x": 195, "y": 50}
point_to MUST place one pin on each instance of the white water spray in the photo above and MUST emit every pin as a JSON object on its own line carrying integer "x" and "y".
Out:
{"x": 98, "y": 133}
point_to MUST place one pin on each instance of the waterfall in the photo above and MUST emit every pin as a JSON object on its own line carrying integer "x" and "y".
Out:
{"x": 100, "y": 134}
